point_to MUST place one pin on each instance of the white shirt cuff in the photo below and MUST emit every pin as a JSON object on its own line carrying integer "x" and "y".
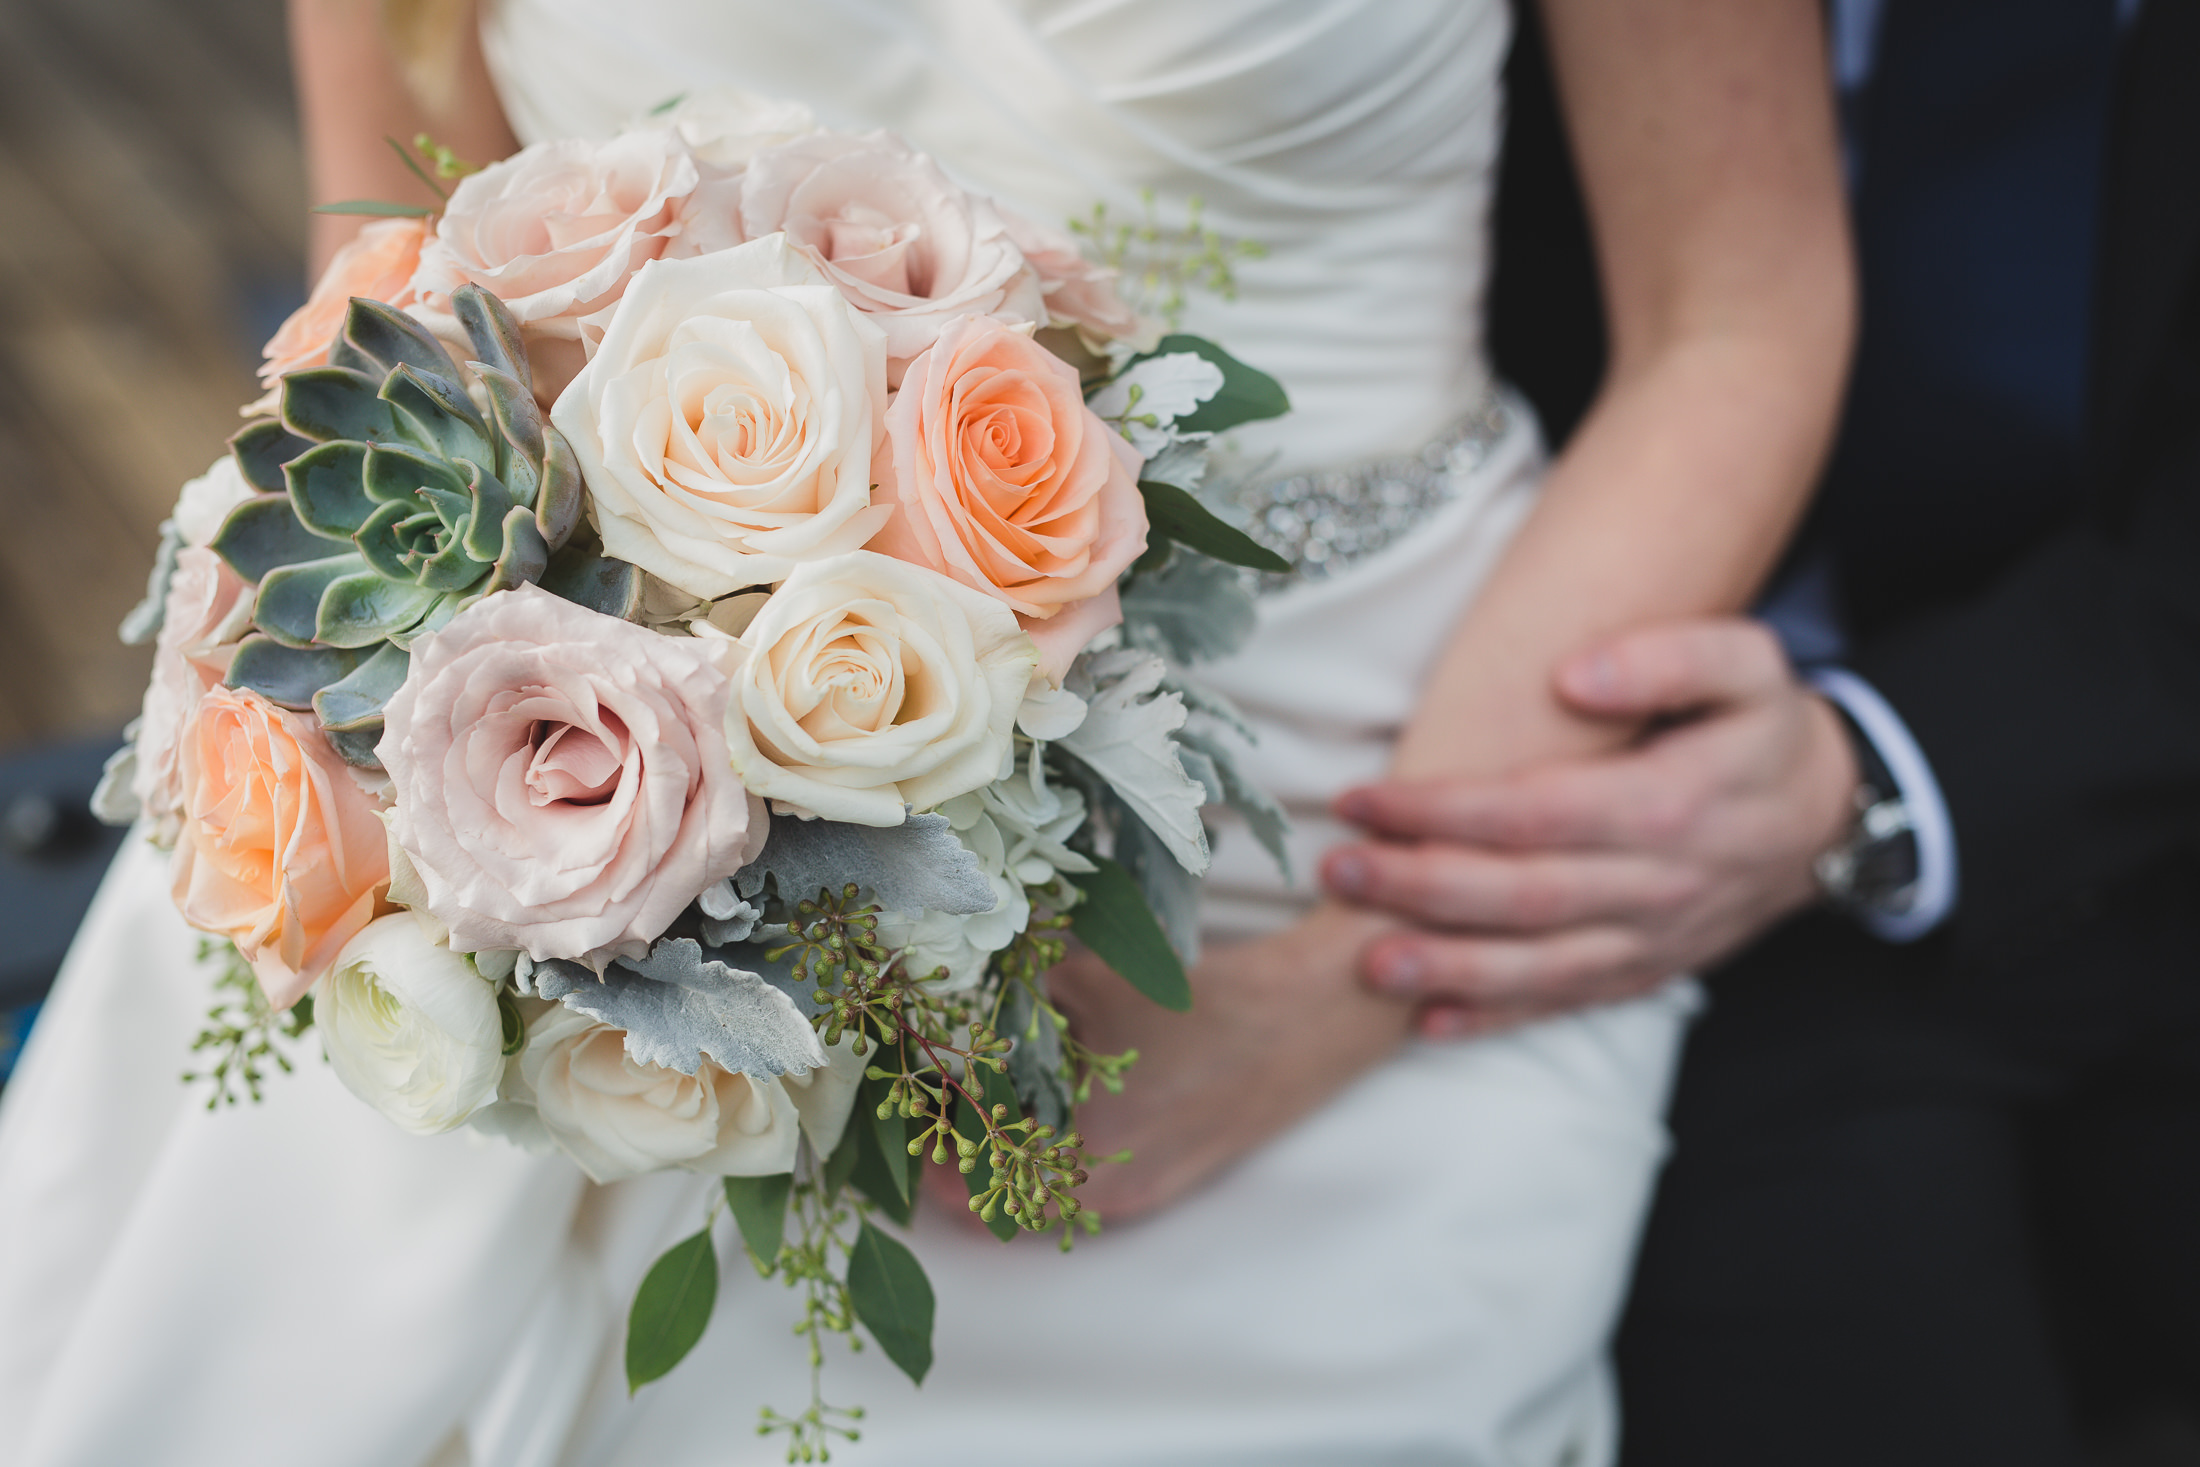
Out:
{"x": 1935, "y": 894}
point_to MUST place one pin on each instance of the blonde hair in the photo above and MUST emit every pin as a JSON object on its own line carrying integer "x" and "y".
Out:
{"x": 427, "y": 38}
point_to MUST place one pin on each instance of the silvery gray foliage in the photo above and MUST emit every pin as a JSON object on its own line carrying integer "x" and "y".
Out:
{"x": 144, "y": 621}
{"x": 1201, "y": 740}
{"x": 677, "y": 1007}
{"x": 916, "y": 865}
{"x": 1035, "y": 1062}
{"x": 1126, "y": 739}
{"x": 726, "y": 917}
{"x": 1191, "y": 610}
{"x": 1169, "y": 889}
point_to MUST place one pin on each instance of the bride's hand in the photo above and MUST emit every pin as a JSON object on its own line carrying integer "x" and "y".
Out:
{"x": 1277, "y": 1027}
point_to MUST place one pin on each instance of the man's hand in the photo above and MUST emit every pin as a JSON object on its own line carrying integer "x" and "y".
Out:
{"x": 1585, "y": 881}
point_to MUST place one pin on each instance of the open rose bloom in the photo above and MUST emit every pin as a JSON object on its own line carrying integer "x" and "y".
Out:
{"x": 682, "y": 646}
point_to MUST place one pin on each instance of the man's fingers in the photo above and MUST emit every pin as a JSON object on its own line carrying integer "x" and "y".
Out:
{"x": 1674, "y": 667}
{"x": 1559, "y": 969}
{"x": 1445, "y": 885}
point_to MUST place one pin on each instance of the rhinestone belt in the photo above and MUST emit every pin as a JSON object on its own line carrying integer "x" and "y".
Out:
{"x": 1325, "y": 522}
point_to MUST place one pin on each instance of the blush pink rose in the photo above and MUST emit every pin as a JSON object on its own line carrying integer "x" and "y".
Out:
{"x": 1078, "y": 293}
{"x": 558, "y": 229}
{"x": 904, "y": 242}
{"x": 378, "y": 264}
{"x": 280, "y": 850}
{"x": 562, "y": 780}
{"x": 209, "y": 609}
{"x": 1005, "y": 481}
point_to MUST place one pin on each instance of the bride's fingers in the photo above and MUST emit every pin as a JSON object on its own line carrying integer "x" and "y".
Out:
{"x": 1460, "y": 886}
{"x": 1617, "y": 802}
{"x": 1558, "y": 970}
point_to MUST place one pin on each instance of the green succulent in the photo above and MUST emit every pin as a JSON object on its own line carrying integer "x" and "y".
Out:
{"x": 389, "y": 502}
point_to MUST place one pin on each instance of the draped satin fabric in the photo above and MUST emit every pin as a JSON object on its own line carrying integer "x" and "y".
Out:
{"x": 1424, "y": 1271}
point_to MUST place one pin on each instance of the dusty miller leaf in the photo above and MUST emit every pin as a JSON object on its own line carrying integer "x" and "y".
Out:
{"x": 1193, "y": 609}
{"x": 916, "y": 865}
{"x": 677, "y": 1007}
{"x": 1202, "y": 736}
{"x": 1126, "y": 740}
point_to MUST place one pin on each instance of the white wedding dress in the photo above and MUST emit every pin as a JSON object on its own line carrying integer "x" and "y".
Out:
{"x": 1425, "y": 1271}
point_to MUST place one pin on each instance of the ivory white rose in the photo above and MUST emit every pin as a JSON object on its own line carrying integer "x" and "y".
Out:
{"x": 727, "y": 423}
{"x": 866, "y": 686}
{"x": 410, "y": 1027}
{"x": 620, "y": 1117}
{"x": 207, "y": 500}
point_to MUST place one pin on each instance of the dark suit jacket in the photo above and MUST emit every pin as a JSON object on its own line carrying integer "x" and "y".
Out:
{"x": 2056, "y": 689}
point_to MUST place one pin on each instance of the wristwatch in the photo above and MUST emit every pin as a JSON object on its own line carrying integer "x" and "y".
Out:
{"x": 1873, "y": 869}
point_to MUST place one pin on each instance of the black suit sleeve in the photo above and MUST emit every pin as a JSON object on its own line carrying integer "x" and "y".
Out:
{"x": 2061, "y": 712}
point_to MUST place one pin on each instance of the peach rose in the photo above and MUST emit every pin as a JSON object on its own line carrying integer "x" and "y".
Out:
{"x": 280, "y": 851}
{"x": 1007, "y": 482}
{"x": 378, "y": 264}
{"x": 209, "y": 610}
{"x": 904, "y": 243}
{"x": 562, "y": 779}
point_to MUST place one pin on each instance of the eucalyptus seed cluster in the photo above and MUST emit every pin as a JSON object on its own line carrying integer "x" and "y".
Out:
{"x": 945, "y": 1063}
{"x": 806, "y": 1262}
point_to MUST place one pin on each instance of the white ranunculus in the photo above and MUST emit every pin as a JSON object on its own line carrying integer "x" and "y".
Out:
{"x": 207, "y": 500}
{"x": 410, "y": 1027}
{"x": 619, "y": 1117}
{"x": 726, "y": 425}
{"x": 867, "y": 685}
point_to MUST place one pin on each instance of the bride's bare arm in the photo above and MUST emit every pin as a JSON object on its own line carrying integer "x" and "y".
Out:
{"x": 353, "y": 93}
{"x": 1705, "y": 136}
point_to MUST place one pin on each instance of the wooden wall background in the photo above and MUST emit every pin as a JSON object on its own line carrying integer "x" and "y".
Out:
{"x": 151, "y": 230}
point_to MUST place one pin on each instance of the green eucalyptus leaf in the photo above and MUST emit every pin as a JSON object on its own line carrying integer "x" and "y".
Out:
{"x": 356, "y": 700}
{"x": 361, "y": 610}
{"x": 261, "y": 449}
{"x": 558, "y": 499}
{"x": 326, "y": 488}
{"x": 289, "y": 604}
{"x": 882, "y": 1154}
{"x": 1115, "y": 922}
{"x": 1246, "y": 395}
{"x": 1176, "y": 515}
{"x": 495, "y": 335}
{"x": 262, "y": 534}
{"x": 840, "y": 1166}
{"x": 436, "y": 414}
{"x": 586, "y": 577}
{"x": 374, "y": 208}
{"x": 390, "y": 339}
{"x": 671, "y": 1309}
{"x": 760, "y": 1211}
{"x": 394, "y": 474}
{"x": 287, "y": 676}
{"x": 892, "y": 1297}
{"x": 327, "y": 403}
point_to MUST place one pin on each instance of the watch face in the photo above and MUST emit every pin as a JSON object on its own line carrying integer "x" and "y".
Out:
{"x": 1886, "y": 860}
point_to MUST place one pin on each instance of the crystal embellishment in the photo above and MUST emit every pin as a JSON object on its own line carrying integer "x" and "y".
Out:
{"x": 1325, "y": 522}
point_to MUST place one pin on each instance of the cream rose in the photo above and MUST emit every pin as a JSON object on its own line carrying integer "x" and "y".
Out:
{"x": 558, "y": 229}
{"x": 727, "y": 424}
{"x": 1004, "y": 480}
{"x": 908, "y": 245}
{"x": 866, "y": 685}
{"x": 561, "y": 778}
{"x": 410, "y": 1027}
{"x": 620, "y": 1117}
{"x": 204, "y": 502}
{"x": 280, "y": 850}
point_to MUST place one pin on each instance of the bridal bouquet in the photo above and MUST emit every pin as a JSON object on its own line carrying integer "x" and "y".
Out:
{"x": 700, "y": 619}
